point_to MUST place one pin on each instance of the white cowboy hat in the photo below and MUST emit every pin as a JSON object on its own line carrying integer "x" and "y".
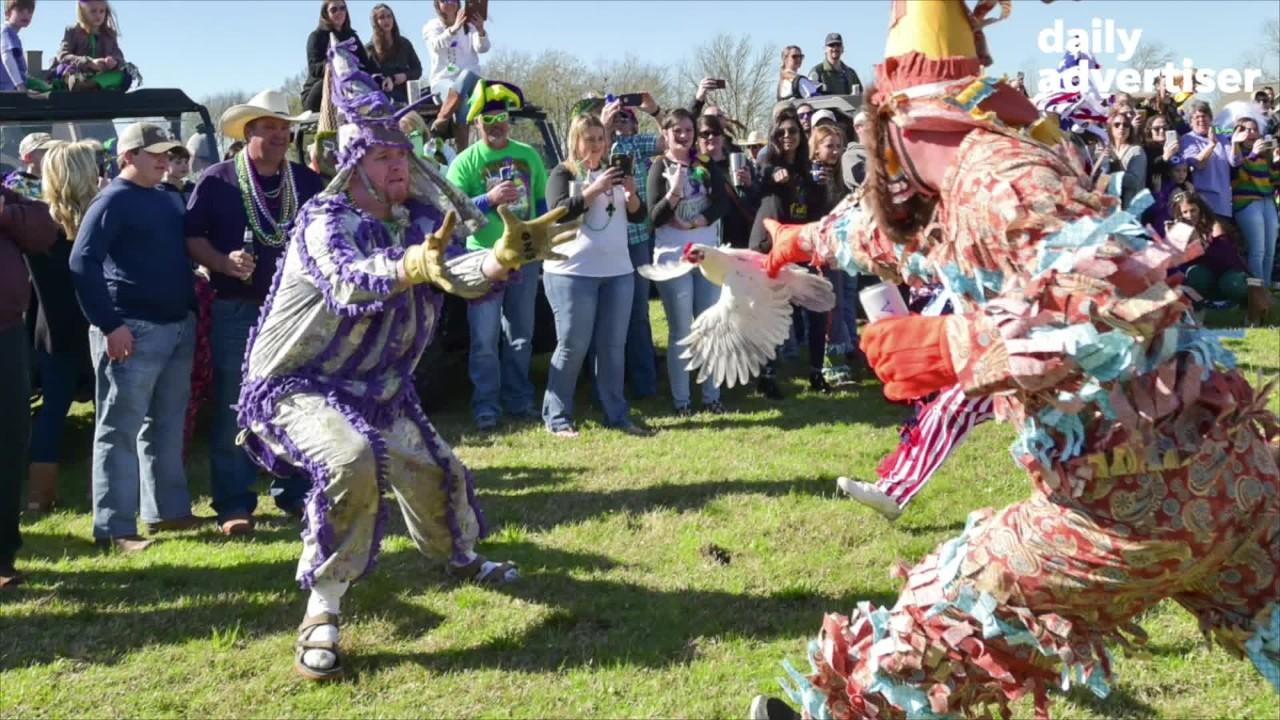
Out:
{"x": 268, "y": 103}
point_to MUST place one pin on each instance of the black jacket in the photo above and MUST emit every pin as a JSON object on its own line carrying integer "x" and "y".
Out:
{"x": 402, "y": 59}
{"x": 318, "y": 57}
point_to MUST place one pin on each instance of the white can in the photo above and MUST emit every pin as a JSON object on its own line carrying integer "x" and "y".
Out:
{"x": 881, "y": 301}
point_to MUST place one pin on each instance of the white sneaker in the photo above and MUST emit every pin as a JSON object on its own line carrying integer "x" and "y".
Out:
{"x": 767, "y": 708}
{"x": 871, "y": 496}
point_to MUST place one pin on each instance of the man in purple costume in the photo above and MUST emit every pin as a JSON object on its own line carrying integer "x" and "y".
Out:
{"x": 328, "y": 379}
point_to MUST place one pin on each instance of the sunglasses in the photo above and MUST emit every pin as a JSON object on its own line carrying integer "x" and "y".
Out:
{"x": 796, "y": 56}
{"x": 337, "y": 8}
{"x": 805, "y": 114}
{"x": 708, "y": 134}
{"x": 1119, "y": 124}
{"x": 495, "y": 118}
{"x": 786, "y": 132}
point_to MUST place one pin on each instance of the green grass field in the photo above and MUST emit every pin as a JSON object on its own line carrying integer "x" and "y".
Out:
{"x": 663, "y": 577}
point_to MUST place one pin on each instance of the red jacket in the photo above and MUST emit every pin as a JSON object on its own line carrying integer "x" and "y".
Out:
{"x": 25, "y": 226}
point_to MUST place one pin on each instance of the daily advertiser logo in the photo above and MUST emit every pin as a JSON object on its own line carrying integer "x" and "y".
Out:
{"x": 1083, "y": 50}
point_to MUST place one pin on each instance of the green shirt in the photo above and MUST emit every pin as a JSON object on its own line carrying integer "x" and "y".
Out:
{"x": 479, "y": 168}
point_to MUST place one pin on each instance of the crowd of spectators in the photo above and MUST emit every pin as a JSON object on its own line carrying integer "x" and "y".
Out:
{"x": 144, "y": 288}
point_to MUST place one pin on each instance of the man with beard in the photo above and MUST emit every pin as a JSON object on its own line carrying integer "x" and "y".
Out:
{"x": 236, "y": 228}
{"x": 328, "y": 384}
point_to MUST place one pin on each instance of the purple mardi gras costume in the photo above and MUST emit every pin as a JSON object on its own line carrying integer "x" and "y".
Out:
{"x": 328, "y": 374}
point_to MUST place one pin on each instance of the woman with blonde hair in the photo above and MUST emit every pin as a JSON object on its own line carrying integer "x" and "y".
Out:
{"x": 792, "y": 58}
{"x": 590, "y": 289}
{"x": 70, "y": 174}
{"x": 90, "y": 57}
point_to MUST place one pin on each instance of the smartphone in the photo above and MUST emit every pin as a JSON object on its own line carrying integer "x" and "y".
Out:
{"x": 478, "y": 9}
{"x": 718, "y": 83}
{"x": 625, "y": 163}
{"x": 631, "y": 99}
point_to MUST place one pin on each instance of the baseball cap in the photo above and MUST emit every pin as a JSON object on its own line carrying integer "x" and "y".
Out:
{"x": 145, "y": 137}
{"x": 834, "y": 39}
{"x": 34, "y": 143}
{"x": 821, "y": 116}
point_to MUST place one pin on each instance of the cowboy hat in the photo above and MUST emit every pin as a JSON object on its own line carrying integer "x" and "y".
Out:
{"x": 268, "y": 103}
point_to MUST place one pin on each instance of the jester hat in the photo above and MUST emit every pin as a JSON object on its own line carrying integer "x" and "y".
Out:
{"x": 493, "y": 96}
{"x": 368, "y": 119}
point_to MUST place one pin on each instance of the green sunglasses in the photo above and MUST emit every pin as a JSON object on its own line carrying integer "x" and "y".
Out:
{"x": 495, "y": 119}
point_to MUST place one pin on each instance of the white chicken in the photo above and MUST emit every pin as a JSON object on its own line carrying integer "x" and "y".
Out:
{"x": 732, "y": 340}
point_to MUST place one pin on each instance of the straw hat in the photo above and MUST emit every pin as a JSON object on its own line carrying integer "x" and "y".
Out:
{"x": 755, "y": 139}
{"x": 268, "y": 103}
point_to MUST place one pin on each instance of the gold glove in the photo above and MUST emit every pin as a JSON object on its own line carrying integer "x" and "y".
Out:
{"x": 525, "y": 242}
{"x": 425, "y": 263}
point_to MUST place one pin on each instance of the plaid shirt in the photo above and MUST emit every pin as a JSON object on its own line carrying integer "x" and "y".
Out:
{"x": 642, "y": 148}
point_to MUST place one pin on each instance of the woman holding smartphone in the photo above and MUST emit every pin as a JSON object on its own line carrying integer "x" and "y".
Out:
{"x": 1253, "y": 192}
{"x": 590, "y": 289}
{"x": 687, "y": 198}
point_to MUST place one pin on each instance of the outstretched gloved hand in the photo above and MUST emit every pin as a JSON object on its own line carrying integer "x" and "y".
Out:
{"x": 787, "y": 246}
{"x": 524, "y": 242}
{"x": 910, "y": 355}
{"x": 425, "y": 263}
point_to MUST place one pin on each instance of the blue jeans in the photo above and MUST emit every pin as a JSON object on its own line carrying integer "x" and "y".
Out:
{"x": 1257, "y": 222}
{"x": 683, "y": 299}
{"x": 501, "y": 346}
{"x": 843, "y": 337}
{"x": 231, "y": 472}
{"x": 137, "y": 433}
{"x": 59, "y": 373}
{"x": 642, "y": 364}
{"x": 590, "y": 312}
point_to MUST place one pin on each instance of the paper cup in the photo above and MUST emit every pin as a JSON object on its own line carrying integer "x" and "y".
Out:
{"x": 881, "y": 301}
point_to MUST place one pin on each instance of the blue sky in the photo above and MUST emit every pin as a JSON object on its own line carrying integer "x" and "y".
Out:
{"x": 205, "y": 46}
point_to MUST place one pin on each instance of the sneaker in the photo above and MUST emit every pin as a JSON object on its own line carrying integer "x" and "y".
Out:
{"x": 871, "y": 496}
{"x": 770, "y": 708}
{"x": 818, "y": 384}
{"x": 566, "y": 432}
{"x": 684, "y": 411}
{"x": 715, "y": 408}
{"x": 768, "y": 387}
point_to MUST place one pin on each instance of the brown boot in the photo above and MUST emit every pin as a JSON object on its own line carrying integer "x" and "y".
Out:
{"x": 1259, "y": 305}
{"x": 444, "y": 119}
{"x": 42, "y": 487}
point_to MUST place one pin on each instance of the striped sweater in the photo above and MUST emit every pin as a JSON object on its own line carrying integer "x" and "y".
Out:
{"x": 1256, "y": 178}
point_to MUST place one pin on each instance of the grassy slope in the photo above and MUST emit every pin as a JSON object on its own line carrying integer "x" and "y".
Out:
{"x": 622, "y": 612}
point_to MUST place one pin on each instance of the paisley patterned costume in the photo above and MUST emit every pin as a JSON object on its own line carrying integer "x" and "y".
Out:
{"x": 1151, "y": 473}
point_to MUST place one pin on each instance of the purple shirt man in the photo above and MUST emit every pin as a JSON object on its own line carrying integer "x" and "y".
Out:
{"x": 216, "y": 212}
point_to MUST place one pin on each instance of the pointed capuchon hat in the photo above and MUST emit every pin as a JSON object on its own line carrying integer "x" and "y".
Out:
{"x": 936, "y": 49}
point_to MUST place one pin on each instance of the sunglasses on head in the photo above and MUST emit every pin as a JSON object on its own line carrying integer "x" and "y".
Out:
{"x": 495, "y": 118}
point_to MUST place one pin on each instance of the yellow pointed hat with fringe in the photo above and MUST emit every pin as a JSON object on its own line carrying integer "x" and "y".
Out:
{"x": 933, "y": 41}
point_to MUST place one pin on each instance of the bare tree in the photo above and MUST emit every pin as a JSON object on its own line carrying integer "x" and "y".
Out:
{"x": 1150, "y": 55}
{"x": 748, "y": 69}
{"x": 1265, "y": 56}
{"x": 293, "y": 89}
